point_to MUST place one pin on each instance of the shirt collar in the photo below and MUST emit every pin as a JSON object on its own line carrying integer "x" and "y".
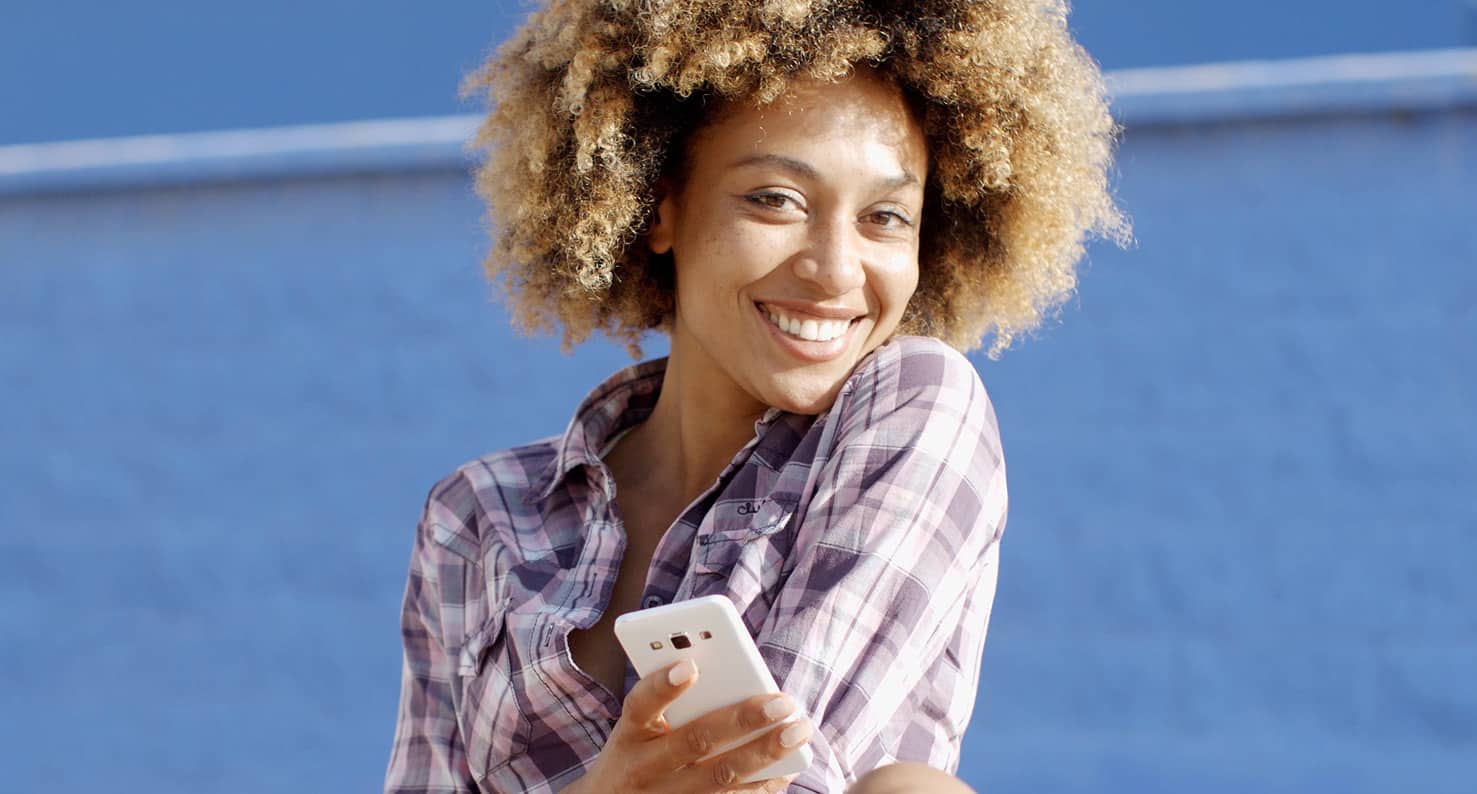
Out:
{"x": 623, "y": 401}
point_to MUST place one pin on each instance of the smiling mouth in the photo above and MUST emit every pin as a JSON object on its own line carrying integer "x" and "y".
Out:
{"x": 806, "y": 329}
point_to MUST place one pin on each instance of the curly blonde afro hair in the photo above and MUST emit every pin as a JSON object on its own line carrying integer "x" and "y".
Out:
{"x": 593, "y": 101}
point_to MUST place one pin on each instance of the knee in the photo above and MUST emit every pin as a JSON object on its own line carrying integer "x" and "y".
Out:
{"x": 909, "y": 778}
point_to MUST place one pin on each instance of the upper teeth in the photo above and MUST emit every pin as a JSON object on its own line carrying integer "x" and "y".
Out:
{"x": 809, "y": 330}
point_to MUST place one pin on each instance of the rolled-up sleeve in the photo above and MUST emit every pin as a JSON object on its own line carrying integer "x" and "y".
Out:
{"x": 879, "y": 626}
{"x": 427, "y": 754}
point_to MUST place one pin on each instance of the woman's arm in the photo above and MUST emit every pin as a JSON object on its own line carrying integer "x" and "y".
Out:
{"x": 878, "y": 628}
{"x": 427, "y": 755}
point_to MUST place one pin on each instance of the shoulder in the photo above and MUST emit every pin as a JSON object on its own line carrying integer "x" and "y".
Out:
{"x": 467, "y": 506}
{"x": 916, "y": 387}
{"x": 922, "y": 361}
{"x": 912, "y": 471}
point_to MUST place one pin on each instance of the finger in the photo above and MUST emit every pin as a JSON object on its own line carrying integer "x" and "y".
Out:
{"x": 647, "y": 701}
{"x": 775, "y": 785}
{"x": 723, "y": 772}
{"x": 720, "y": 727}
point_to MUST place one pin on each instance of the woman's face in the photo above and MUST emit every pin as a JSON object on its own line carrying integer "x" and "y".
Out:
{"x": 794, "y": 235}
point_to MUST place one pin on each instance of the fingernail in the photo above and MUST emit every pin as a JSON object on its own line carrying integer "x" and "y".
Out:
{"x": 681, "y": 673}
{"x": 796, "y": 734}
{"x": 781, "y": 706}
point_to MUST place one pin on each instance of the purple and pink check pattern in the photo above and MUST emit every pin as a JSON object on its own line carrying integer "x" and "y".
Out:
{"x": 860, "y": 547}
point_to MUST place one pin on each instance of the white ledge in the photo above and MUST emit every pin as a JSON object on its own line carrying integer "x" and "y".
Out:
{"x": 1323, "y": 86}
{"x": 1183, "y": 95}
{"x": 389, "y": 145}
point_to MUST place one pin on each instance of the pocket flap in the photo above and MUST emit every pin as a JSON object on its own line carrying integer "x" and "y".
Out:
{"x": 475, "y": 649}
{"x": 735, "y": 524}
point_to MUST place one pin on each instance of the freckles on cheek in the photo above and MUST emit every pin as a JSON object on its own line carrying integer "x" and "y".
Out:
{"x": 900, "y": 278}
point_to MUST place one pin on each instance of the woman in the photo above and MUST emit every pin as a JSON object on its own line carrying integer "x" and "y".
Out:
{"x": 820, "y": 204}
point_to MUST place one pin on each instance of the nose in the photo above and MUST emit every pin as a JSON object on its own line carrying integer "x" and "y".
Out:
{"x": 832, "y": 259}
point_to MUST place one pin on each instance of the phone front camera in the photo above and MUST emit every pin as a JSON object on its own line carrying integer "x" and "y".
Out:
{"x": 680, "y": 641}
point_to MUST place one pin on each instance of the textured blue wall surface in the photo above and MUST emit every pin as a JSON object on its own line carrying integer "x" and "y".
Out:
{"x": 83, "y": 70}
{"x": 1242, "y": 521}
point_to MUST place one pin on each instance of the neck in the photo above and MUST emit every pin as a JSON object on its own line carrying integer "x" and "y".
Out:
{"x": 700, "y": 421}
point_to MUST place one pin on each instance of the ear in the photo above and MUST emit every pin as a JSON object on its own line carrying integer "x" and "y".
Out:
{"x": 659, "y": 236}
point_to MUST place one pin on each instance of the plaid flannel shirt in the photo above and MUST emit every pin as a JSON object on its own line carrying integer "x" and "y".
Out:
{"x": 859, "y": 546}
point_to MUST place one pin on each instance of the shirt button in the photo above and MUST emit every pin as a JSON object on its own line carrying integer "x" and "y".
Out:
{"x": 651, "y": 601}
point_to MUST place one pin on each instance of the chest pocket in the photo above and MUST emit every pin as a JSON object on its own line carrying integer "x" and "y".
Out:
{"x": 494, "y": 730}
{"x": 748, "y": 545}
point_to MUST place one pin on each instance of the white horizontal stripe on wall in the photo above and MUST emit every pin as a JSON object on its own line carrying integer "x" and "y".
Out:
{"x": 1206, "y": 93}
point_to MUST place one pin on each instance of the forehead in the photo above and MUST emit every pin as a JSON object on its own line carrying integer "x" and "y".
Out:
{"x": 862, "y": 110}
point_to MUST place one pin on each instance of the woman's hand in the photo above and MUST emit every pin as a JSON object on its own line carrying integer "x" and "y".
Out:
{"x": 643, "y": 754}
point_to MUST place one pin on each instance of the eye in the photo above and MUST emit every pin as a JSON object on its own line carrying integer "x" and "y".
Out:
{"x": 774, "y": 200}
{"x": 890, "y": 219}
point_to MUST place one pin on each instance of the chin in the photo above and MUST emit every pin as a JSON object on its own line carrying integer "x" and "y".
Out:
{"x": 809, "y": 395}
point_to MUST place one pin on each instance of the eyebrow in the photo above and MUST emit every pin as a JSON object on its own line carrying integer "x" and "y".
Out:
{"x": 807, "y": 171}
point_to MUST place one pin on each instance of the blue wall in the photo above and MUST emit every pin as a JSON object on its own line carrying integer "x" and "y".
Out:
{"x": 82, "y": 70}
{"x": 1241, "y": 537}
{"x": 1242, "y": 543}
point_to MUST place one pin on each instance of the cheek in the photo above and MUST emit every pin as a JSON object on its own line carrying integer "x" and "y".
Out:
{"x": 730, "y": 258}
{"x": 896, "y": 285}
{"x": 754, "y": 250}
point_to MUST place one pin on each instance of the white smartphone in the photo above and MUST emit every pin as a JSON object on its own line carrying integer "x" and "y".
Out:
{"x": 708, "y": 631}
